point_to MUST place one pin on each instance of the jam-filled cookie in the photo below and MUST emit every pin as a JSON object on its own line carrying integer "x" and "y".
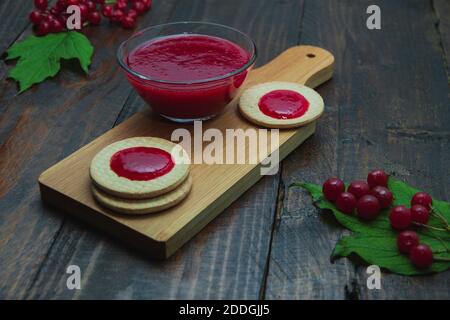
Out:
{"x": 140, "y": 168}
{"x": 281, "y": 104}
{"x": 143, "y": 206}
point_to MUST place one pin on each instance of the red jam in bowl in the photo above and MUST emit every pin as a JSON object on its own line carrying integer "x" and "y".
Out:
{"x": 141, "y": 163}
{"x": 187, "y": 77}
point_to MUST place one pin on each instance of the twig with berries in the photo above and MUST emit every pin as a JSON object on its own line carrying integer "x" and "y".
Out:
{"x": 364, "y": 207}
{"x": 54, "y": 19}
{"x": 57, "y": 37}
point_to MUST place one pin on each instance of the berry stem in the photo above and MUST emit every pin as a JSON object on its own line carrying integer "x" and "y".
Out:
{"x": 441, "y": 259}
{"x": 430, "y": 227}
{"x": 436, "y": 213}
{"x": 444, "y": 244}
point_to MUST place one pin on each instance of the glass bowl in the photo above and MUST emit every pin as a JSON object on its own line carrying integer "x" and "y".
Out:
{"x": 187, "y": 101}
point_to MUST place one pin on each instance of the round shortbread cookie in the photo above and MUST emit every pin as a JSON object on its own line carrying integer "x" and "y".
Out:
{"x": 110, "y": 182}
{"x": 250, "y": 98}
{"x": 143, "y": 206}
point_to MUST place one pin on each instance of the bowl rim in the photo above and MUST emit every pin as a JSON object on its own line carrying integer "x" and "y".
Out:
{"x": 123, "y": 65}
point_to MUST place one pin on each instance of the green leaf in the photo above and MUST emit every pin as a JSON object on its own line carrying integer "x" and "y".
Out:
{"x": 39, "y": 57}
{"x": 375, "y": 241}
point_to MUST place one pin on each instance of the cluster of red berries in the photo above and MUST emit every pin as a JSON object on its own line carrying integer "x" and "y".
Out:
{"x": 401, "y": 218}
{"x": 54, "y": 19}
{"x": 368, "y": 198}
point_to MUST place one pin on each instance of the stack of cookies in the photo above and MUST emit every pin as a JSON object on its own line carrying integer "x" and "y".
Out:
{"x": 140, "y": 175}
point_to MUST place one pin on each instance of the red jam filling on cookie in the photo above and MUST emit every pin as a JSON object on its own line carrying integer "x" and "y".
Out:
{"x": 283, "y": 104}
{"x": 141, "y": 163}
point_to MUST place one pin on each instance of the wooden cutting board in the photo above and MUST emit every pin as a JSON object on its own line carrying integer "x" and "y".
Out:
{"x": 66, "y": 185}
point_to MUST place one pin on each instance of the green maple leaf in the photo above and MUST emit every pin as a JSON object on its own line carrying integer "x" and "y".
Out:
{"x": 39, "y": 57}
{"x": 375, "y": 241}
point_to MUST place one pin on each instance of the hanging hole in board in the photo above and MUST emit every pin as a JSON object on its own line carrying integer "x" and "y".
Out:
{"x": 311, "y": 55}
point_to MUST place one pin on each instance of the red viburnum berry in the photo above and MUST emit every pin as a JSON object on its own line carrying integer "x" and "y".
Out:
{"x": 91, "y": 6}
{"x": 128, "y": 22}
{"x": 121, "y": 5}
{"x": 73, "y": 2}
{"x": 400, "y": 217}
{"x": 423, "y": 199}
{"x": 43, "y": 28}
{"x": 139, "y": 7}
{"x": 107, "y": 11}
{"x": 368, "y": 207}
{"x": 377, "y": 178}
{"x": 117, "y": 15}
{"x": 147, "y": 4}
{"x": 332, "y": 188}
{"x": 406, "y": 240}
{"x": 41, "y": 4}
{"x": 56, "y": 26}
{"x": 49, "y": 18}
{"x": 383, "y": 195}
{"x": 346, "y": 202}
{"x": 61, "y": 5}
{"x": 54, "y": 11}
{"x": 132, "y": 13}
{"x": 358, "y": 188}
{"x": 421, "y": 256}
{"x": 420, "y": 214}
{"x": 94, "y": 18}
{"x": 84, "y": 10}
{"x": 35, "y": 17}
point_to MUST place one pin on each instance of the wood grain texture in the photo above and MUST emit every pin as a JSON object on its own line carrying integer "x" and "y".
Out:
{"x": 42, "y": 126}
{"x": 411, "y": 142}
{"x": 442, "y": 11}
{"x": 391, "y": 112}
{"x": 299, "y": 264}
{"x": 228, "y": 258}
{"x": 14, "y": 16}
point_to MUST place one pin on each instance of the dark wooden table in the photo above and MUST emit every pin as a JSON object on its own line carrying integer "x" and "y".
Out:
{"x": 387, "y": 106}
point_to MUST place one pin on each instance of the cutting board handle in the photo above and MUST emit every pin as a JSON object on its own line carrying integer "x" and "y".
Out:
{"x": 303, "y": 64}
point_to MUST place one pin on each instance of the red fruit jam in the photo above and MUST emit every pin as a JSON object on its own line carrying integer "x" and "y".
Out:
{"x": 179, "y": 73}
{"x": 283, "y": 104}
{"x": 141, "y": 163}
